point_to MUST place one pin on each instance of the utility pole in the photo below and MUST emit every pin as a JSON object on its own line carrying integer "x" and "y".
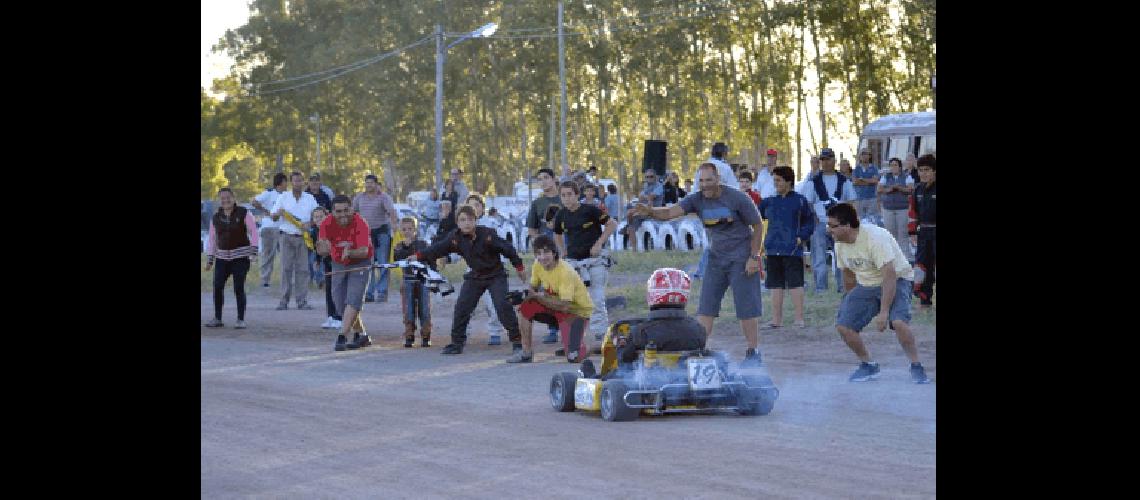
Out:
{"x": 439, "y": 105}
{"x": 562, "y": 78}
{"x": 317, "y": 120}
{"x": 550, "y": 139}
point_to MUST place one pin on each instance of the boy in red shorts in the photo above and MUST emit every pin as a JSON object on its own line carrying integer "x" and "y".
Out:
{"x": 557, "y": 297}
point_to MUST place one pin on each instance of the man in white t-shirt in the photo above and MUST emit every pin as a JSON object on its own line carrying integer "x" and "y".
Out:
{"x": 878, "y": 280}
{"x": 268, "y": 231}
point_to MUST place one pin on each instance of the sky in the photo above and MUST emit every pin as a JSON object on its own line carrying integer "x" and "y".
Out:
{"x": 217, "y": 17}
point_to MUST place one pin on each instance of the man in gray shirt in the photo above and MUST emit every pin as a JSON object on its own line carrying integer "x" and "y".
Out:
{"x": 734, "y": 230}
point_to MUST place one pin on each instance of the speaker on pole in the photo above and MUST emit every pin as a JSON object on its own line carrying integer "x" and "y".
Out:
{"x": 655, "y": 157}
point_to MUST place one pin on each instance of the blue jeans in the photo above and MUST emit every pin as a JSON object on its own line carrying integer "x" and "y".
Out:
{"x": 382, "y": 242}
{"x": 417, "y": 300}
{"x": 821, "y": 242}
{"x": 315, "y": 267}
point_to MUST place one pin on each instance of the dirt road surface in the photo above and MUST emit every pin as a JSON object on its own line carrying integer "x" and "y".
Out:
{"x": 284, "y": 416}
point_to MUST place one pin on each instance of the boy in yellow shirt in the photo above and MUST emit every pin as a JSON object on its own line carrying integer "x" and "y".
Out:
{"x": 558, "y": 298}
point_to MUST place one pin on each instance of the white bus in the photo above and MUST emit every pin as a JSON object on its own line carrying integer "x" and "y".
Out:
{"x": 894, "y": 136}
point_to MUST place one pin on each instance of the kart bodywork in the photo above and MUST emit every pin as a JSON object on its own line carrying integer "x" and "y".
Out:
{"x": 662, "y": 382}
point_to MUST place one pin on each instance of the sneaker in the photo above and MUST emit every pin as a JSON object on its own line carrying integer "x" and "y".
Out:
{"x": 752, "y": 357}
{"x": 865, "y": 372}
{"x": 241, "y": 324}
{"x": 550, "y": 339}
{"x": 304, "y": 306}
{"x": 360, "y": 341}
{"x": 282, "y": 307}
{"x": 336, "y": 324}
{"x": 494, "y": 340}
{"x": 368, "y": 298}
{"x": 587, "y": 370}
{"x": 215, "y": 323}
{"x": 328, "y": 323}
{"x": 516, "y": 348}
{"x": 520, "y": 357}
{"x": 918, "y": 374}
{"x": 425, "y": 343}
{"x": 560, "y": 352}
{"x": 409, "y": 342}
{"x": 341, "y": 343}
{"x": 572, "y": 357}
{"x": 265, "y": 285}
{"x": 453, "y": 348}
{"x": 598, "y": 336}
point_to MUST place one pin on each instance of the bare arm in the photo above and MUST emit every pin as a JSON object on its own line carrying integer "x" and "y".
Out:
{"x": 659, "y": 213}
{"x": 551, "y": 302}
{"x": 889, "y": 281}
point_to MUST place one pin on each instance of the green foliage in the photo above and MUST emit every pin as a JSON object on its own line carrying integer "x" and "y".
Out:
{"x": 689, "y": 72}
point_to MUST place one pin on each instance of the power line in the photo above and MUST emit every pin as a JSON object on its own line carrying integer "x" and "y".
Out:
{"x": 338, "y": 71}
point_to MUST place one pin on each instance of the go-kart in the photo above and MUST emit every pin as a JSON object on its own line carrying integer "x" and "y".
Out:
{"x": 661, "y": 382}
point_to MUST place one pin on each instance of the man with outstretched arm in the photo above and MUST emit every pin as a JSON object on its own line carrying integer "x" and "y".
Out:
{"x": 735, "y": 233}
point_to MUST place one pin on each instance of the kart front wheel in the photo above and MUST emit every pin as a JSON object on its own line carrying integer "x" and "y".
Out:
{"x": 754, "y": 401}
{"x": 562, "y": 391}
{"x": 614, "y": 408}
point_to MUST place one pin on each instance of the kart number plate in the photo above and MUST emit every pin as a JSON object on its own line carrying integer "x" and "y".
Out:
{"x": 703, "y": 373}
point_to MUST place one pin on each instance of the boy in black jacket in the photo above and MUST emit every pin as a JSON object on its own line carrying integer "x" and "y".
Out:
{"x": 414, "y": 295}
{"x": 482, "y": 248}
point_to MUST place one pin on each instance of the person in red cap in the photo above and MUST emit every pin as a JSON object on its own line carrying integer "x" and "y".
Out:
{"x": 764, "y": 183}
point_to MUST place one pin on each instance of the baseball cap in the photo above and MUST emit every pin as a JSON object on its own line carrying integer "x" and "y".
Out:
{"x": 826, "y": 153}
{"x": 315, "y": 177}
{"x": 771, "y": 152}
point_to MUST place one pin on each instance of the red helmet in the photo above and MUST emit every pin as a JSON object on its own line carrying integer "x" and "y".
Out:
{"x": 667, "y": 286}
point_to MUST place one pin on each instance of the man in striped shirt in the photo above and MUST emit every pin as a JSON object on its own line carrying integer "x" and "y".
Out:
{"x": 377, "y": 209}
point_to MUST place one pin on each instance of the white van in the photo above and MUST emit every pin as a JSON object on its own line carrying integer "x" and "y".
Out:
{"x": 894, "y": 136}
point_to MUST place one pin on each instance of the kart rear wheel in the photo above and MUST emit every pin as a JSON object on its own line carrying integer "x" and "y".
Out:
{"x": 562, "y": 391}
{"x": 614, "y": 408}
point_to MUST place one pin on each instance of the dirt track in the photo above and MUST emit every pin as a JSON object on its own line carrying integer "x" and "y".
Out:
{"x": 285, "y": 416}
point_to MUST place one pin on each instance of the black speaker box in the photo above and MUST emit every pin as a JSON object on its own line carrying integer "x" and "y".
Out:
{"x": 655, "y": 157}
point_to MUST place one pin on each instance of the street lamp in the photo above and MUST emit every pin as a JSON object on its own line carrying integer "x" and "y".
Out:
{"x": 316, "y": 118}
{"x": 440, "y": 54}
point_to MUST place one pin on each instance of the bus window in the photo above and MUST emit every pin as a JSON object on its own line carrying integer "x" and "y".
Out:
{"x": 927, "y": 146}
{"x": 876, "y": 146}
{"x": 898, "y": 149}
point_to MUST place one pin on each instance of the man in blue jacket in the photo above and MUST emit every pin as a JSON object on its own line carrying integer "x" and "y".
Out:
{"x": 791, "y": 223}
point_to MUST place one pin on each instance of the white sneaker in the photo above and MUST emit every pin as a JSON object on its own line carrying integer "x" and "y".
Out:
{"x": 336, "y": 324}
{"x": 327, "y": 323}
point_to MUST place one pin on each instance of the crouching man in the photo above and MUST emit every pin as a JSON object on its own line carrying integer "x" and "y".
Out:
{"x": 481, "y": 248}
{"x": 557, "y": 298}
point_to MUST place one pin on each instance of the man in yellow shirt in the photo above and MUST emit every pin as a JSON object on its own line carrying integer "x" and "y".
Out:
{"x": 558, "y": 297}
{"x": 878, "y": 280}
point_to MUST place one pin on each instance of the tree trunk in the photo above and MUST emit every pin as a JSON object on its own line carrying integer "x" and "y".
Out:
{"x": 822, "y": 82}
{"x": 799, "y": 104}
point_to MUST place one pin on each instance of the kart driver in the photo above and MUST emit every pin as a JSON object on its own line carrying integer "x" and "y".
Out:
{"x": 668, "y": 326}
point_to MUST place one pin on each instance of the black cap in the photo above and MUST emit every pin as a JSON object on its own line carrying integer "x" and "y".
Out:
{"x": 826, "y": 153}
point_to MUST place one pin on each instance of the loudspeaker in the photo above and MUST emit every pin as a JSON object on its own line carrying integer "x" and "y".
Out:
{"x": 655, "y": 157}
